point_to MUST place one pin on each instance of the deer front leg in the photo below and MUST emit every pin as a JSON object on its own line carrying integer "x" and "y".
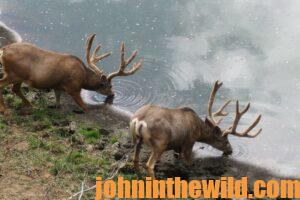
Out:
{"x": 17, "y": 90}
{"x": 187, "y": 154}
{"x": 3, "y": 82}
{"x": 76, "y": 96}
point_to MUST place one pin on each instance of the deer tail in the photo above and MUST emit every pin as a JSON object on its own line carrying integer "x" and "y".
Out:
{"x": 136, "y": 127}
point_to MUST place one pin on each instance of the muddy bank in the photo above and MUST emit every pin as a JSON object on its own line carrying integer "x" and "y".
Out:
{"x": 49, "y": 153}
{"x": 204, "y": 166}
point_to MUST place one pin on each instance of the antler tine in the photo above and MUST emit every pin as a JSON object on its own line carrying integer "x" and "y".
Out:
{"x": 101, "y": 57}
{"x": 220, "y": 111}
{"x": 238, "y": 116}
{"x": 122, "y": 50}
{"x": 88, "y": 47}
{"x": 124, "y": 63}
{"x": 130, "y": 59}
{"x": 211, "y": 100}
{"x": 92, "y": 60}
{"x": 256, "y": 121}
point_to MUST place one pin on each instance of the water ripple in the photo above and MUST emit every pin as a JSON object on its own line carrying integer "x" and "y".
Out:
{"x": 153, "y": 84}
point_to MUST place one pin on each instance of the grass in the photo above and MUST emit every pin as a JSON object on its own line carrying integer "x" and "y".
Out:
{"x": 52, "y": 147}
{"x": 114, "y": 139}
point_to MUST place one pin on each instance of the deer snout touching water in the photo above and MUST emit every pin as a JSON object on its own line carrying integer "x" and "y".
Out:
{"x": 42, "y": 69}
{"x": 178, "y": 129}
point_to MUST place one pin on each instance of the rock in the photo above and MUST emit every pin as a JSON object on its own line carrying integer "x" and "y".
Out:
{"x": 77, "y": 139}
{"x": 127, "y": 145}
{"x": 63, "y": 131}
{"x": 21, "y": 146}
{"x": 61, "y": 122}
{"x": 100, "y": 145}
{"x": 46, "y": 175}
{"x": 72, "y": 127}
{"x": 116, "y": 145}
{"x": 90, "y": 148}
{"x": 45, "y": 134}
{"x": 38, "y": 126}
{"x": 117, "y": 152}
{"x": 103, "y": 131}
{"x": 118, "y": 155}
{"x": 128, "y": 168}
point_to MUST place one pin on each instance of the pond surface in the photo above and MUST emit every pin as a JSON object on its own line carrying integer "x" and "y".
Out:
{"x": 252, "y": 46}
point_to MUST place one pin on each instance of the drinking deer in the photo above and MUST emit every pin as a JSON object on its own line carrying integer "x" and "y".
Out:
{"x": 42, "y": 69}
{"x": 178, "y": 129}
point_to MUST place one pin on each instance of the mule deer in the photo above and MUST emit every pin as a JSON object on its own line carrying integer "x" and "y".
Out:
{"x": 42, "y": 69}
{"x": 178, "y": 129}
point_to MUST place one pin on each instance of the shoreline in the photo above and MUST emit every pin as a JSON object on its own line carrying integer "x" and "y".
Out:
{"x": 66, "y": 149}
{"x": 118, "y": 112}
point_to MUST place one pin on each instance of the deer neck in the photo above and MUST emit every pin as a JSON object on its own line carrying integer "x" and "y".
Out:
{"x": 92, "y": 80}
{"x": 204, "y": 131}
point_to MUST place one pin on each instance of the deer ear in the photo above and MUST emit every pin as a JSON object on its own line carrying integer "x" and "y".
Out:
{"x": 217, "y": 130}
{"x": 209, "y": 123}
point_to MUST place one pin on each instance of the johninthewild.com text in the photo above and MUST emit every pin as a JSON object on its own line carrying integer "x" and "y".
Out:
{"x": 225, "y": 187}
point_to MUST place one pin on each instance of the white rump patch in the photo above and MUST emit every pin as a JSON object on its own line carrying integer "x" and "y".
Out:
{"x": 136, "y": 125}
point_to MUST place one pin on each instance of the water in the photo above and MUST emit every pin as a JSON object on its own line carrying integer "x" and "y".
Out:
{"x": 250, "y": 45}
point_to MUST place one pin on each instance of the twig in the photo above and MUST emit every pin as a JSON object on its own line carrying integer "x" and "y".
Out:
{"x": 115, "y": 172}
{"x": 81, "y": 193}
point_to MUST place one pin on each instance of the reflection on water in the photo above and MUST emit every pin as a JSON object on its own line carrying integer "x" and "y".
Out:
{"x": 187, "y": 45}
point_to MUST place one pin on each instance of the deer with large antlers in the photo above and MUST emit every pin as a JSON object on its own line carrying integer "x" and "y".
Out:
{"x": 42, "y": 69}
{"x": 178, "y": 129}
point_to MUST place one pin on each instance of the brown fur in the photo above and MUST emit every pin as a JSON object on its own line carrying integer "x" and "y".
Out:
{"x": 172, "y": 129}
{"x": 42, "y": 69}
{"x": 178, "y": 129}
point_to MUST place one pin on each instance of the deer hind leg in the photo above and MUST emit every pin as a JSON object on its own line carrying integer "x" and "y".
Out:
{"x": 154, "y": 157}
{"x": 137, "y": 150}
{"x": 17, "y": 90}
{"x": 3, "y": 82}
{"x": 77, "y": 98}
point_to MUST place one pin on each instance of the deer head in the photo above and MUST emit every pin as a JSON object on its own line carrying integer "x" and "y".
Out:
{"x": 104, "y": 82}
{"x": 219, "y": 137}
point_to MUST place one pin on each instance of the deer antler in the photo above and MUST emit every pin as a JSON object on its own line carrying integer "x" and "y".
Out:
{"x": 220, "y": 112}
{"x": 92, "y": 60}
{"x": 238, "y": 116}
{"x": 124, "y": 63}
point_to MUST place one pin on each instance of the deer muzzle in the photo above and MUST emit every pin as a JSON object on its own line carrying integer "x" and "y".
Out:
{"x": 228, "y": 150}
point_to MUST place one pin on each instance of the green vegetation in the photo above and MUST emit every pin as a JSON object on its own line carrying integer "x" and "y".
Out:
{"x": 54, "y": 147}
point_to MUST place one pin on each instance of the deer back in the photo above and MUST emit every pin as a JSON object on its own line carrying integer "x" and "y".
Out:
{"x": 40, "y": 68}
{"x": 165, "y": 125}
